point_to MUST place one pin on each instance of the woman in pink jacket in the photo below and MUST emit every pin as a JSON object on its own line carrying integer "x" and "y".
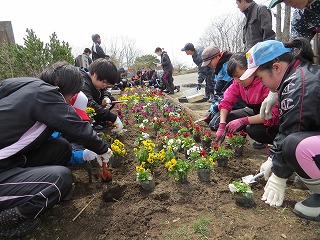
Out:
{"x": 253, "y": 92}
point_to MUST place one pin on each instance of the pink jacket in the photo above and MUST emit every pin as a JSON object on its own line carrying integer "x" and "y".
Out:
{"x": 253, "y": 95}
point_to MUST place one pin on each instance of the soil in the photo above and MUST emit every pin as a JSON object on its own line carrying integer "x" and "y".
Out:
{"x": 121, "y": 209}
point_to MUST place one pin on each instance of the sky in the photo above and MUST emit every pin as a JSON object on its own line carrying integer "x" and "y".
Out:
{"x": 168, "y": 24}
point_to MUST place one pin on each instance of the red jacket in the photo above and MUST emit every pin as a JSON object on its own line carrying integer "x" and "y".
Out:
{"x": 253, "y": 95}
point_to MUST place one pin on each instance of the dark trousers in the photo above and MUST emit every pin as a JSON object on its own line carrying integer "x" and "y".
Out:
{"x": 168, "y": 80}
{"x": 40, "y": 183}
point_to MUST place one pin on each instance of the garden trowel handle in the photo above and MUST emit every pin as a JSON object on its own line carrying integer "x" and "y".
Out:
{"x": 257, "y": 176}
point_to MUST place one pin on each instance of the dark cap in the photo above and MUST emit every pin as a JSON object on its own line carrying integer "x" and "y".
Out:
{"x": 208, "y": 54}
{"x": 274, "y": 3}
{"x": 188, "y": 46}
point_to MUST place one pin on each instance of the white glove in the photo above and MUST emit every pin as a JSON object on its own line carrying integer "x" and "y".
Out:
{"x": 274, "y": 191}
{"x": 266, "y": 168}
{"x": 267, "y": 105}
{"x": 105, "y": 157}
{"x": 106, "y": 102}
{"x": 118, "y": 126}
{"x": 89, "y": 155}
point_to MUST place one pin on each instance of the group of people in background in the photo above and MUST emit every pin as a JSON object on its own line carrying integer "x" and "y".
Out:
{"x": 270, "y": 90}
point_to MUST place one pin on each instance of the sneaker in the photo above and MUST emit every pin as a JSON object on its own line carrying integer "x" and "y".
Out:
{"x": 166, "y": 91}
{"x": 177, "y": 88}
{"x": 309, "y": 208}
{"x": 257, "y": 145}
{"x": 23, "y": 229}
{"x": 12, "y": 224}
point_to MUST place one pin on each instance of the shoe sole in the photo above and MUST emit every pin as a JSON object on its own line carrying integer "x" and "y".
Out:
{"x": 306, "y": 217}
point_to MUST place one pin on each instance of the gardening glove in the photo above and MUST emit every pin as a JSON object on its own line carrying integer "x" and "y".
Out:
{"x": 220, "y": 132}
{"x": 274, "y": 191}
{"x": 118, "y": 126}
{"x": 266, "y": 168}
{"x": 89, "y": 155}
{"x": 267, "y": 105}
{"x": 198, "y": 86}
{"x": 105, "y": 157}
{"x": 106, "y": 103}
{"x": 235, "y": 124}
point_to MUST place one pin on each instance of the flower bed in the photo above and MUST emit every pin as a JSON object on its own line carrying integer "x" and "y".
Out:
{"x": 122, "y": 209}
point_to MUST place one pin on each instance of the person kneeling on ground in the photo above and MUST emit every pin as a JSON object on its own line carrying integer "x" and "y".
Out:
{"x": 252, "y": 92}
{"x": 287, "y": 68}
{"x": 102, "y": 74}
{"x": 33, "y": 174}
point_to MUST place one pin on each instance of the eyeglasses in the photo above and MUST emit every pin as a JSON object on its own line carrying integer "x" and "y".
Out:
{"x": 107, "y": 84}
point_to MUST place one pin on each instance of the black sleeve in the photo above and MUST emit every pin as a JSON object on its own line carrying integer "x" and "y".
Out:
{"x": 103, "y": 114}
{"x": 52, "y": 110}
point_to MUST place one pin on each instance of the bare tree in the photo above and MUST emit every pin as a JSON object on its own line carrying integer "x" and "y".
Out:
{"x": 124, "y": 50}
{"x": 283, "y": 34}
{"x": 225, "y": 33}
{"x": 179, "y": 65}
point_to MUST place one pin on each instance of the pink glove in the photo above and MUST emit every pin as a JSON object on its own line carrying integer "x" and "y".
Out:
{"x": 220, "y": 132}
{"x": 235, "y": 124}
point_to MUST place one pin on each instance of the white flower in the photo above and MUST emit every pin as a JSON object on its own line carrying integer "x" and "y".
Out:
{"x": 145, "y": 121}
{"x": 141, "y": 125}
{"x": 233, "y": 188}
{"x": 145, "y": 135}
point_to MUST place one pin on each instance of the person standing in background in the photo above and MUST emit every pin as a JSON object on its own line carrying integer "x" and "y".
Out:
{"x": 257, "y": 25}
{"x": 167, "y": 70}
{"x": 97, "y": 51}
{"x": 205, "y": 73}
{"x": 83, "y": 60}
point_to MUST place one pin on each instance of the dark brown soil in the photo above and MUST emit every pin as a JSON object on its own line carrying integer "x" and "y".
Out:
{"x": 121, "y": 209}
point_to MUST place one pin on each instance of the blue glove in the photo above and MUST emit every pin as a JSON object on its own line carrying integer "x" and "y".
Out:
{"x": 198, "y": 86}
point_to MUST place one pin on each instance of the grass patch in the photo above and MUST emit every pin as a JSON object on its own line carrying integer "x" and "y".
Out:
{"x": 180, "y": 233}
{"x": 201, "y": 226}
{"x": 186, "y": 232}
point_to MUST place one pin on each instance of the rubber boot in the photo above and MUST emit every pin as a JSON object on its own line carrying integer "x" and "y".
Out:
{"x": 13, "y": 224}
{"x": 310, "y": 207}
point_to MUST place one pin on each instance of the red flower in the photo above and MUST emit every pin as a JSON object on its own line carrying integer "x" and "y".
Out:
{"x": 243, "y": 133}
{"x": 215, "y": 146}
{"x": 203, "y": 153}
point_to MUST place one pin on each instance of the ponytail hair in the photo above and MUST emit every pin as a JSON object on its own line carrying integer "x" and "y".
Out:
{"x": 302, "y": 49}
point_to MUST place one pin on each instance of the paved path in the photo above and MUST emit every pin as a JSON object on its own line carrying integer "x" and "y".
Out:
{"x": 199, "y": 109}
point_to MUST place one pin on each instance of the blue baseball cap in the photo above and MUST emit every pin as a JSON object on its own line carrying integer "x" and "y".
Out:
{"x": 262, "y": 53}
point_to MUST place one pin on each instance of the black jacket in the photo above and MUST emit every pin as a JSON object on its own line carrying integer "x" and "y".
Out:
{"x": 95, "y": 98}
{"x": 299, "y": 107}
{"x": 166, "y": 62}
{"x": 30, "y": 110}
{"x": 97, "y": 52}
